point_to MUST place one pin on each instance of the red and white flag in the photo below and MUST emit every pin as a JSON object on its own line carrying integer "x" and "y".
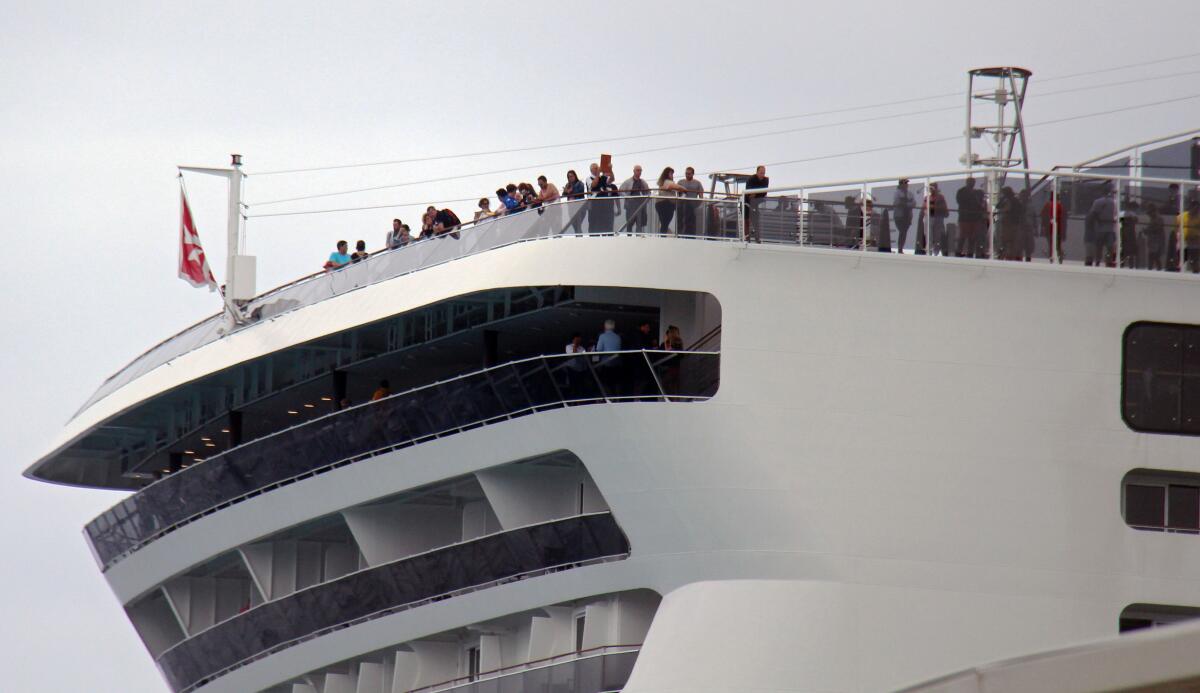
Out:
{"x": 193, "y": 266}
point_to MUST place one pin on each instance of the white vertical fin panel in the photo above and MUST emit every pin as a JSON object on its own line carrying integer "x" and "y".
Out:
{"x": 370, "y": 678}
{"x": 259, "y": 559}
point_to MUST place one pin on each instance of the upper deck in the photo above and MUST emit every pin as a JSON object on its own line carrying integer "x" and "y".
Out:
{"x": 870, "y": 215}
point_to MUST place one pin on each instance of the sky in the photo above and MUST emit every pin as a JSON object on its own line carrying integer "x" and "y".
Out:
{"x": 100, "y": 102}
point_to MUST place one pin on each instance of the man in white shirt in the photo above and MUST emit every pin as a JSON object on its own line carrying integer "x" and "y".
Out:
{"x": 689, "y": 211}
{"x": 635, "y": 209}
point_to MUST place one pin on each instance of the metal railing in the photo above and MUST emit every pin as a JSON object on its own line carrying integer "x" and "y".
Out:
{"x": 817, "y": 215}
{"x": 559, "y": 671}
{"x": 447, "y": 407}
{"x": 713, "y": 217}
{"x": 385, "y": 589}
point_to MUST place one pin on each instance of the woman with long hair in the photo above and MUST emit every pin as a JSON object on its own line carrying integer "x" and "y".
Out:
{"x": 574, "y": 190}
{"x": 668, "y": 190}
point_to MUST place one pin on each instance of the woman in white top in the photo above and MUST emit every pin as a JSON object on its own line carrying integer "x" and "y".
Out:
{"x": 485, "y": 209}
{"x": 669, "y": 189}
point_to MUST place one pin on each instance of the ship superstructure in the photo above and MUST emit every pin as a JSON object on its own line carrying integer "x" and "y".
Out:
{"x": 855, "y": 469}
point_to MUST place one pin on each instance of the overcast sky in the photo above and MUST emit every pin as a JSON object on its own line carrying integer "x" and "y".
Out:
{"x": 99, "y": 102}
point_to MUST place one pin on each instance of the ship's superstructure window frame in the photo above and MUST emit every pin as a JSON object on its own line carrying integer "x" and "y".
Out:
{"x": 1160, "y": 378}
{"x": 1161, "y": 500}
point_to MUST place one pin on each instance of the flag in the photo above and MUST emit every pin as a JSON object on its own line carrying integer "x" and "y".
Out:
{"x": 193, "y": 266}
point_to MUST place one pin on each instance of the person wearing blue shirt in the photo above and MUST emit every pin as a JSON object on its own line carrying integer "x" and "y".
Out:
{"x": 609, "y": 340}
{"x": 340, "y": 258}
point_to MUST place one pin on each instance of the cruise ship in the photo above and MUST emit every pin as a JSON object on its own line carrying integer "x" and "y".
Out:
{"x": 859, "y": 460}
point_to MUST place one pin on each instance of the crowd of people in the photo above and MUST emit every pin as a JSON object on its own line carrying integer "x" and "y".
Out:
{"x": 1140, "y": 232}
{"x": 676, "y": 201}
{"x": 615, "y": 372}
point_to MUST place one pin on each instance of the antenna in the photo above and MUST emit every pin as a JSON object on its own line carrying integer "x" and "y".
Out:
{"x": 1004, "y": 87}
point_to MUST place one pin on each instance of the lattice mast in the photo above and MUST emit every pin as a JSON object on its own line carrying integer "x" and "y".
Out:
{"x": 1004, "y": 89}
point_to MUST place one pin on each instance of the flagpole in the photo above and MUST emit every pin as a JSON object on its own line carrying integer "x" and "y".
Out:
{"x": 233, "y": 243}
{"x": 234, "y": 290}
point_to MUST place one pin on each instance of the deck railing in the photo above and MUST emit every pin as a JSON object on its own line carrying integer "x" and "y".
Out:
{"x": 381, "y": 590}
{"x": 857, "y": 214}
{"x": 443, "y": 408}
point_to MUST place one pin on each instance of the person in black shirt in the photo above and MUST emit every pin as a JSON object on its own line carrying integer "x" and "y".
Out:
{"x": 445, "y": 221}
{"x": 972, "y": 221}
{"x": 758, "y": 181}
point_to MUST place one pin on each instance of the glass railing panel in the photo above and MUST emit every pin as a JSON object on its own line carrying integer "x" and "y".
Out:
{"x": 384, "y": 589}
{"x": 832, "y": 218}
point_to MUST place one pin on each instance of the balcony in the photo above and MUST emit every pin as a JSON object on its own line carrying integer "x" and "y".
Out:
{"x": 485, "y": 397}
{"x": 387, "y": 589}
{"x": 596, "y": 670}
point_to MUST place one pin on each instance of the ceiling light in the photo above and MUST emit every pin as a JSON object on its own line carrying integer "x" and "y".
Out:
{"x": 293, "y": 411}
{"x": 189, "y": 452}
{"x": 224, "y": 430}
{"x": 309, "y": 406}
{"x": 197, "y": 459}
{"x": 326, "y": 399}
{"x": 166, "y": 471}
{"x": 205, "y": 438}
{"x": 210, "y": 445}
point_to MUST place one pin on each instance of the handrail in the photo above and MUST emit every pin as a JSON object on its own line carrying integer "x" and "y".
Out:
{"x": 563, "y": 658}
{"x": 370, "y": 429}
{"x": 705, "y": 339}
{"x": 428, "y": 242}
{"x": 371, "y": 593}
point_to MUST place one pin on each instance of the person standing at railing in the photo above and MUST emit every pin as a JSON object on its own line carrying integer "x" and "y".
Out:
{"x": 1170, "y": 214}
{"x": 339, "y": 258}
{"x": 360, "y": 252}
{"x": 485, "y": 209}
{"x": 690, "y": 210}
{"x": 1189, "y": 224}
{"x": 1129, "y": 235}
{"x": 935, "y": 209}
{"x": 507, "y": 204}
{"x": 609, "y": 368}
{"x": 668, "y": 190}
{"x": 1053, "y": 217}
{"x": 547, "y": 191}
{"x": 903, "y": 203}
{"x": 971, "y": 222}
{"x": 427, "y": 222}
{"x": 670, "y": 366}
{"x": 577, "y": 366}
{"x": 1153, "y": 237}
{"x": 600, "y": 208}
{"x": 1101, "y": 221}
{"x": 574, "y": 190}
{"x": 445, "y": 221}
{"x": 635, "y": 209}
{"x": 1009, "y": 213}
{"x": 753, "y": 219}
{"x": 397, "y": 237}
{"x": 1029, "y": 222}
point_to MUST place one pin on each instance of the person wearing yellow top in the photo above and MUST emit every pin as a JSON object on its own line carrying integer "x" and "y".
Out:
{"x": 1189, "y": 224}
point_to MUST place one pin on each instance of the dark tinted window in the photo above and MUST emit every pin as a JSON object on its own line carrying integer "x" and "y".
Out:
{"x": 1183, "y": 507}
{"x": 1160, "y": 381}
{"x": 1144, "y": 505}
{"x": 1139, "y": 616}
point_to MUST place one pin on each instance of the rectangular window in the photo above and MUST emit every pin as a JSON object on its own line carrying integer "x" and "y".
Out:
{"x": 473, "y": 663}
{"x": 1183, "y": 507}
{"x": 1145, "y": 506}
{"x": 1160, "y": 378}
{"x": 579, "y": 624}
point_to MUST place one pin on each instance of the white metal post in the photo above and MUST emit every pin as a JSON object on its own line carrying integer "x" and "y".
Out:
{"x": 991, "y": 212}
{"x": 233, "y": 245}
{"x": 742, "y": 216}
{"x": 1054, "y": 258}
{"x": 866, "y": 221}
{"x": 800, "y": 226}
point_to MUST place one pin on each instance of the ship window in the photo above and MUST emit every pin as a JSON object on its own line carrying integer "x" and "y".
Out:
{"x": 579, "y": 624}
{"x": 1160, "y": 380}
{"x": 1160, "y": 499}
{"x": 473, "y": 663}
{"x": 1142, "y": 616}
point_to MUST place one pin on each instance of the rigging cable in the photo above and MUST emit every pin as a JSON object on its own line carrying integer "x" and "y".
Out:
{"x": 823, "y": 157}
{"x": 760, "y": 121}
